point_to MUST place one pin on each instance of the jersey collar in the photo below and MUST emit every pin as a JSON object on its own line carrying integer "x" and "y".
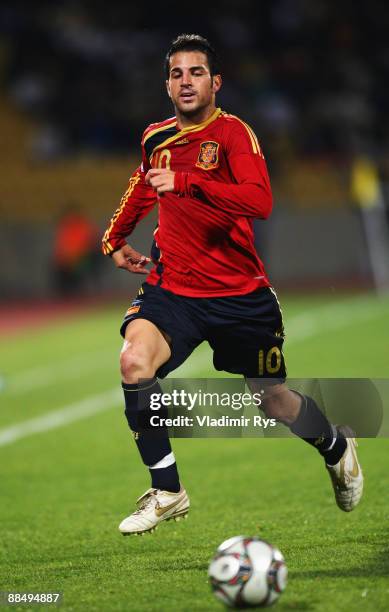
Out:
{"x": 189, "y": 130}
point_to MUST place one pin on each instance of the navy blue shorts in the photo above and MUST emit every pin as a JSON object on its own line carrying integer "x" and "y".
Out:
{"x": 245, "y": 331}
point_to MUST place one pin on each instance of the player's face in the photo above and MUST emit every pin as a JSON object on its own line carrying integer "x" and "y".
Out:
{"x": 190, "y": 85}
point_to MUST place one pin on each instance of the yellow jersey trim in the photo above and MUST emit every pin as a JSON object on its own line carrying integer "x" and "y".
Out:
{"x": 160, "y": 129}
{"x": 250, "y": 132}
{"x": 189, "y": 130}
{"x": 134, "y": 180}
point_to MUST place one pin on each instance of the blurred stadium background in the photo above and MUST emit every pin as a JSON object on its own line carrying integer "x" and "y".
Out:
{"x": 79, "y": 82}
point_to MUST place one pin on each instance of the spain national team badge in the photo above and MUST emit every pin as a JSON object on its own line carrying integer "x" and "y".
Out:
{"x": 208, "y": 156}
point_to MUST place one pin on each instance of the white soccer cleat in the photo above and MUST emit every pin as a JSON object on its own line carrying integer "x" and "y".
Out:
{"x": 153, "y": 507}
{"x": 346, "y": 476}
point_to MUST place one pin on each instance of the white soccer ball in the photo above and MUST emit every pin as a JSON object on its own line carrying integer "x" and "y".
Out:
{"x": 247, "y": 572}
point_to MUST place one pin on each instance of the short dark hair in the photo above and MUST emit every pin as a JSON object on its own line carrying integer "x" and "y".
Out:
{"x": 193, "y": 42}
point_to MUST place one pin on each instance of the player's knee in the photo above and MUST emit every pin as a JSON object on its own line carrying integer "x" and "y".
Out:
{"x": 135, "y": 365}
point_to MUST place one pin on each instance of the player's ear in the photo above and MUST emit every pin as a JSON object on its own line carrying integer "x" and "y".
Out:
{"x": 216, "y": 82}
{"x": 168, "y": 88}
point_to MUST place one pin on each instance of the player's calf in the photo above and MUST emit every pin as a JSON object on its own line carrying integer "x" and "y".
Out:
{"x": 281, "y": 404}
{"x": 312, "y": 426}
{"x": 336, "y": 445}
{"x": 144, "y": 350}
{"x": 153, "y": 443}
{"x": 338, "y": 449}
{"x": 305, "y": 419}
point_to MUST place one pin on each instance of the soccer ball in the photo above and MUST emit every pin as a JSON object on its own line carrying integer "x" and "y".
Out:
{"x": 247, "y": 572}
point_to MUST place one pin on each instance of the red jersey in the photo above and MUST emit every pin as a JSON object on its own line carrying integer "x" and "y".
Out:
{"x": 204, "y": 241}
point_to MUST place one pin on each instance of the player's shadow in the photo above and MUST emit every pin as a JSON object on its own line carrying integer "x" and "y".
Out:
{"x": 295, "y": 604}
{"x": 186, "y": 566}
{"x": 377, "y": 565}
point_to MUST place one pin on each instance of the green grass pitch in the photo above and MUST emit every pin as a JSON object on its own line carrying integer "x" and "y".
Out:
{"x": 64, "y": 490}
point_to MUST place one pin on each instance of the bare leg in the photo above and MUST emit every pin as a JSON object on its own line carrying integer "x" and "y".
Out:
{"x": 144, "y": 350}
{"x": 303, "y": 417}
{"x": 278, "y": 402}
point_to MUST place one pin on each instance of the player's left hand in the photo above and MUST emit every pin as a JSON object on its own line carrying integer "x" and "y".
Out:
{"x": 160, "y": 179}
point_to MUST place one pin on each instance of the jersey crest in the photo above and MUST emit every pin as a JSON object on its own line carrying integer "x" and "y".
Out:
{"x": 208, "y": 157}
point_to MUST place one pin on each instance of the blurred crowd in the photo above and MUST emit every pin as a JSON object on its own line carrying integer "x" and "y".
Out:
{"x": 310, "y": 76}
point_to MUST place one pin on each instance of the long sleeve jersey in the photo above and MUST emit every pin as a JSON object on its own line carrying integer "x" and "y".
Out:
{"x": 204, "y": 242}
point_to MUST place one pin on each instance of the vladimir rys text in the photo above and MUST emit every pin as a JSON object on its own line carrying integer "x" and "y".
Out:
{"x": 207, "y": 421}
{"x": 201, "y": 399}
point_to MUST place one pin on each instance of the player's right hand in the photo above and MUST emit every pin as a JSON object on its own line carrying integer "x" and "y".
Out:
{"x": 129, "y": 259}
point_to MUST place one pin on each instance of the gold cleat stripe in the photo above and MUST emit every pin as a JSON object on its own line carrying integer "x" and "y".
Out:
{"x": 355, "y": 471}
{"x": 162, "y": 510}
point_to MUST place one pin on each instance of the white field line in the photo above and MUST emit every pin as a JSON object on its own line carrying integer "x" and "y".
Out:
{"x": 63, "y": 416}
{"x": 308, "y": 324}
{"x": 71, "y": 369}
{"x": 298, "y": 328}
{"x": 323, "y": 319}
{"x": 332, "y": 317}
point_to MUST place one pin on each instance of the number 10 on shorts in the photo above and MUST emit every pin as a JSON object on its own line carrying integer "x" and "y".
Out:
{"x": 269, "y": 362}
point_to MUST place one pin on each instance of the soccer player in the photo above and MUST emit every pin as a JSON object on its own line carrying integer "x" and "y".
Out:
{"x": 206, "y": 170}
